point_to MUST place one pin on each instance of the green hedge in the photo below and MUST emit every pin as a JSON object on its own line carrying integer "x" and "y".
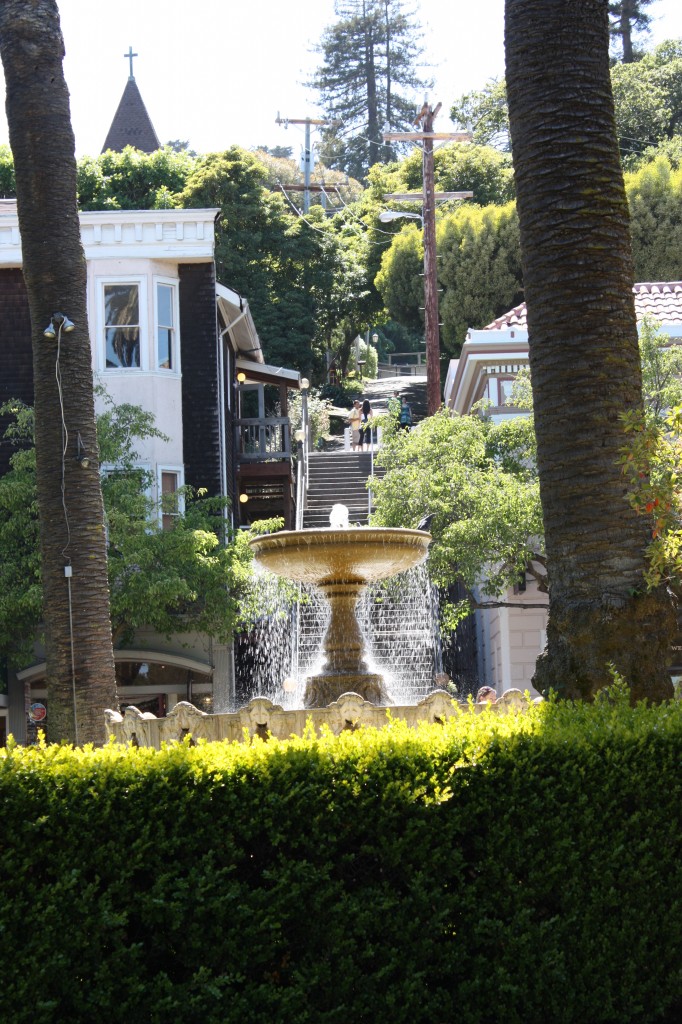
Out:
{"x": 517, "y": 870}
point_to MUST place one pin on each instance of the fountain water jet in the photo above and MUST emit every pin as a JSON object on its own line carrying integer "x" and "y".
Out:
{"x": 341, "y": 562}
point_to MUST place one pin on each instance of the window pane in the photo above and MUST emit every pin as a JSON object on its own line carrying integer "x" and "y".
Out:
{"x": 164, "y": 298}
{"x": 169, "y": 501}
{"x": 165, "y": 348}
{"x": 121, "y": 305}
{"x": 165, "y": 358}
{"x": 123, "y": 347}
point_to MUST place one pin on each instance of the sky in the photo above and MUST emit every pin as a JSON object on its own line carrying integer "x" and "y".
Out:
{"x": 218, "y": 72}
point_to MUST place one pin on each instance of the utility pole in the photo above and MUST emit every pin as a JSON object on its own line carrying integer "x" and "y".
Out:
{"x": 426, "y": 136}
{"x": 307, "y": 153}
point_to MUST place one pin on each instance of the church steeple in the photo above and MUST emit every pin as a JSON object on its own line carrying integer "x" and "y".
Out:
{"x": 132, "y": 124}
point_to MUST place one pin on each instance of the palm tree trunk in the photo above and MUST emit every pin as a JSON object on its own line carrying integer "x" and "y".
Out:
{"x": 584, "y": 358}
{"x": 80, "y": 664}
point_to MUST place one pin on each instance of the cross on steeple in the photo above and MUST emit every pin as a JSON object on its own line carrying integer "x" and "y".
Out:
{"x": 130, "y": 56}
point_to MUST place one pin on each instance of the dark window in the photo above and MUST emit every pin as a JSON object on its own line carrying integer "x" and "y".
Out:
{"x": 122, "y": 326}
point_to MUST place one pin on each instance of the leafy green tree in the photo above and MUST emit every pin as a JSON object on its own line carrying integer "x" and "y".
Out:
{"x": 274, "y": 258}
{"x": 21, "y": 594}
{"x": 670, "y": 149}
{"x": 193, "y": 577}
{"x": 368, "y": 56}
{"x": 479, "y": 481}
{"x": 458, "y": 166}
{"x": 133, "y": 180}
{"x": 484, "y": 113}
{"x": 655, "y": 201}
{"x": 479, "y": 271}
{"x": 628, "y": 17}
{"x": 578, "y": 277}
{"x": 399, "y": 282}
{"x": 661, "y": 371}
{"x": 647, "y": 97}
{"x": 8, "y": 185}
{"x": 651, "y": 459}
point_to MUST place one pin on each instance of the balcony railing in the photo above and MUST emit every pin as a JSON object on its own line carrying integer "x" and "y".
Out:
{"x": 263, "y": 440}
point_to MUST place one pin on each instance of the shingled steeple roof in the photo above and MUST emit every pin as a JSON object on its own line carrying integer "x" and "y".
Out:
{"x": 132, "y": 125}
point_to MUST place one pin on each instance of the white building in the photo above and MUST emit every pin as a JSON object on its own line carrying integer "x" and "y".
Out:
{"x": 166, "y": 336}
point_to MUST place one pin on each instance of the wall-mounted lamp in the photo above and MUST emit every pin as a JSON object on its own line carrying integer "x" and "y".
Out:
{"x": 305, "y": 383}
{"x": 81, "y": 454}
{"x": 59, "y": 322}
{"x": 243, "y": 498}
{"x": 241, "y": 377}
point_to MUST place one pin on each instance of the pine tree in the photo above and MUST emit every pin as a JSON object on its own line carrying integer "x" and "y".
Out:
{"x": 370, "y": 57}
{"x": 627, "y": 17}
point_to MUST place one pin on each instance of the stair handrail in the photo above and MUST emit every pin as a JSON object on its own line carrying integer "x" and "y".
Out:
{"x": 302, "y": 464}
{"x": 371, "y": 469}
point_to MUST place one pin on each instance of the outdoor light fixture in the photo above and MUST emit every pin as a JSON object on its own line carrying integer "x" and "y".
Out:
{"x": 388, "y": 215}
{"x": 299, "y": 435}
{"x": 81, "y": 454}
{"x": 375, "y": 338}
{"x": 241, "y": 377}
{"x": 59, "y": 322}
{"x": 243, "y": 498}
{"x": 305, "y": 383}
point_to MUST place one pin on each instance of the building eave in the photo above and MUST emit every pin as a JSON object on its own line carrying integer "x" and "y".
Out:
{"x": 238, "y": 324}
{"x": 183, "y": 236}
{"x": 261, "y": 373}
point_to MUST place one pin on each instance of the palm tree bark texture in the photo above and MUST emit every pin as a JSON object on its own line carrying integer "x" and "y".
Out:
{"x": 578, "y": 278}
{"x": 80, "y": 664}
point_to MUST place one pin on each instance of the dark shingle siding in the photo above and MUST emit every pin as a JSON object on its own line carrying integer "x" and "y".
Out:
{"x": 200, "y": 397}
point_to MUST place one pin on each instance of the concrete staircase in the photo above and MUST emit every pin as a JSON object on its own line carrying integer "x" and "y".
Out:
{"x": 337, "y": 477}
{"x": 412, "y": 388}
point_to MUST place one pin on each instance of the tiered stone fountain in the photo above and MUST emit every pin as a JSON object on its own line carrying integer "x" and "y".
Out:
{"x": 340, "y": 562}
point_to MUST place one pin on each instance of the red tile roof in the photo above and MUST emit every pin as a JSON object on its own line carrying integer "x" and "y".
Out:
{"x": 661, "y": 300}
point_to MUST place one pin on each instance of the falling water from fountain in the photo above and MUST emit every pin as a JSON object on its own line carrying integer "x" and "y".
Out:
{"x": 379, "y": 634}
{"x": 398, "y": 619}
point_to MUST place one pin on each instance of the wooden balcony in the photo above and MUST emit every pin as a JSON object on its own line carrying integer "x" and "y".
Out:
{"x": 263, "y": 440}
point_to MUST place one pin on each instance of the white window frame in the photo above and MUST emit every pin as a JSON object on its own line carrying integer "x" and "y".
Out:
{"x": 173, "y": 284}
{"x": 112, "y": 467}
{"x": 179, "y": 472}
{"x": 140, "y": 281}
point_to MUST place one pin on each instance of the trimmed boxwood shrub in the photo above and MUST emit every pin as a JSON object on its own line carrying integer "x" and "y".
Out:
{"x": 517, "y": 869}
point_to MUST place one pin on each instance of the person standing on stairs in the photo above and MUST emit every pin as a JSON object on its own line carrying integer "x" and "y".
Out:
{"x": 405, "y": 415}
{"x": 354, "y": 421}
{"x": 366, "y": 418}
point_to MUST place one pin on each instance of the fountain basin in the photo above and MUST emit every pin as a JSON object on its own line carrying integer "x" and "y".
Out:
{"x": 362, "y": 554}
{"x": 341, "y": 563}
